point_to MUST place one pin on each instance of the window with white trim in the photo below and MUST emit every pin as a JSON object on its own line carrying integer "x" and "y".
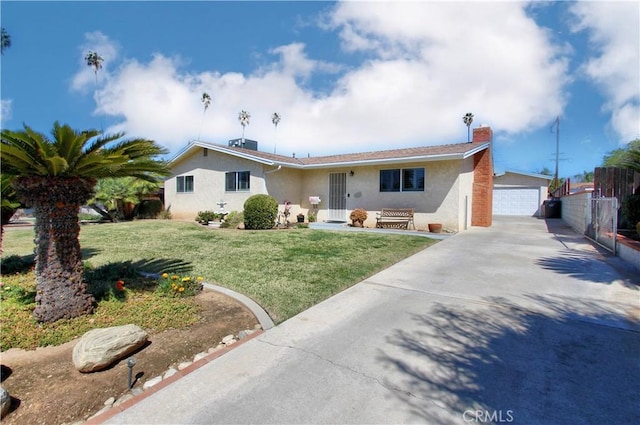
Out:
{"x": 402, "y": 180}
{"x": 184, "y": 184}
{"x": 237, "y": 181}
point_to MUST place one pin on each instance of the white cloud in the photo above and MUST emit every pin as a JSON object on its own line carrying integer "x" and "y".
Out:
{"x": 428, "y": 64}
{"x": 614, "y": 34}
{"x": 5, "y": 109}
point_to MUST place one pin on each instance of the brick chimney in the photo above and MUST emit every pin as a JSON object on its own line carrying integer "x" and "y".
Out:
{"x": 482, "y": 134}
{"x": 482, "y": 198}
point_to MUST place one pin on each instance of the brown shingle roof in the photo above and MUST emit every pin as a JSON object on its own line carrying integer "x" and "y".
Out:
{"x": 452, "y": 151}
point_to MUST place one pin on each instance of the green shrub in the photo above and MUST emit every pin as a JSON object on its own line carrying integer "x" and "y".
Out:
{"x": 311, "y": 217}
{"x": 149, "y": 208}
{"x": 631, "y": 209}
{"x": 232, "y": 220}
{"x": 260, "y": 212}
{"x": 205, "y": 217}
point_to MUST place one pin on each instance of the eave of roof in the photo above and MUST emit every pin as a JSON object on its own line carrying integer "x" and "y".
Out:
{"x": 522, "y": 173}
{"x": 393, "y": 156}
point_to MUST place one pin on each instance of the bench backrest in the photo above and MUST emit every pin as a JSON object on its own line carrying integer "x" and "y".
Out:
{"x": 397, "y": 212}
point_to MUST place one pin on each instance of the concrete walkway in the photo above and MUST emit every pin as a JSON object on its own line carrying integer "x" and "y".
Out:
{"x": 524, "y": 322}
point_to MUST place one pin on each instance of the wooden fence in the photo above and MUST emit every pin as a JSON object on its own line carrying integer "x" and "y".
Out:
{"x": 616, "y": 182}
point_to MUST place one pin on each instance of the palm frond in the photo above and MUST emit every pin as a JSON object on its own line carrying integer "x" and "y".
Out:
{"x": 80, "y": 154}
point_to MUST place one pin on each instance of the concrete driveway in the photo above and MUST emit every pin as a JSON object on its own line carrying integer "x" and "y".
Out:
{"x": 521, "y": 323}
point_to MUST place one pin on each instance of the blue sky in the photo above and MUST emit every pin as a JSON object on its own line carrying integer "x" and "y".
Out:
{"x": 344, "y": 76}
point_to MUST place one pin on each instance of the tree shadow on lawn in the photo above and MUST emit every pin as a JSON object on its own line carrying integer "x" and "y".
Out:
{"x": 141, "y": 275}
{"x": 20, "y": 264}
{"x": 572, "y": 362}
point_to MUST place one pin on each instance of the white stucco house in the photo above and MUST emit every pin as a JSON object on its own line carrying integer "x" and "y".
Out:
{"x": 520, "y": 193}
{"x": 449, "y": 184}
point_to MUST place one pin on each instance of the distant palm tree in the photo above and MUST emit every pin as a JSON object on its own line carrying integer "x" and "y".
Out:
{"x": 56, "y": 176}
{"x": 275, "y": 119}
{"x": 468, "y": 119}
{"x": 94, "y": 60}
{"x": 5, "y": 40}
{"x": 244, "y": 117}
{"x": 206, "y": 101}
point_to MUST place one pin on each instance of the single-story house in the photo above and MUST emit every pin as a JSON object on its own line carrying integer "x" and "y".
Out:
{"x": 448, "y": 184}
{"x": 520, "y": 193}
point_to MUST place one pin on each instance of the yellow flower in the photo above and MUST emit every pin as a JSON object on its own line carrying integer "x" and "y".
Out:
{"x": 165, "y": 275}
{"x": 199, "y": 278}
{"x": 181, "y": 289}
{"x": 186, "y": 279}
{"x": 174, "y": 277}
{"x": 174, "y": 286}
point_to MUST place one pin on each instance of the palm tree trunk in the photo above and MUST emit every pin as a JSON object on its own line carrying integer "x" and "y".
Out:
{"x": 60, "y": 289}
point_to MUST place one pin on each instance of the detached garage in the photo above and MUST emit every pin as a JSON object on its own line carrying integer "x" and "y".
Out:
{"x": 518, "y": 193}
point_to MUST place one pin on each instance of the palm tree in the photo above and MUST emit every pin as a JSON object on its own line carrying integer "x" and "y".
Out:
{"x": 118, "y": 195}
{"x": 206, "y": 101}
{"x": 243, "y": 117}
{"x": 5, "y": 41}
{"x": 56, "y": 176}
{"x": 275, "y": 119}
{"x": 468, "y": 119}
{"x": 94, "y": 60}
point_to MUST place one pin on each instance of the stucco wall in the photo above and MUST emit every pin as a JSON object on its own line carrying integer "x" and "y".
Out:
{"x": 440, "y": 202}
{"x": 209, "y": 184}
{"x": 465, "y": 192}
{"x": 448, "y": 189}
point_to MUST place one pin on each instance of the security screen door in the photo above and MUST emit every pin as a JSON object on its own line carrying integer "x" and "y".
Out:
{"x": 337, "y": 196}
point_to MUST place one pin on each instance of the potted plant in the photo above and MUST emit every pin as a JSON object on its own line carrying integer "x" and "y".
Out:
{"x": 435, "y": 227}
{"x": 358, "y": 217}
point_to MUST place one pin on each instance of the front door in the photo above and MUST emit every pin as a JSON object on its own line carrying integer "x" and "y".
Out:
{"x": 337, "y": 197}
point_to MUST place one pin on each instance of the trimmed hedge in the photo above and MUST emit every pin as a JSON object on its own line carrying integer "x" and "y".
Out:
{"x": 260, "y": 212}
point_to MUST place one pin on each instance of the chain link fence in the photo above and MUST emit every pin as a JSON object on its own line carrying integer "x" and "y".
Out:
{"x": 602, "y": 222}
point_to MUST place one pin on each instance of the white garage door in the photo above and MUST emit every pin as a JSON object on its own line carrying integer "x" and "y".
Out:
{"x": 516, "y": 201}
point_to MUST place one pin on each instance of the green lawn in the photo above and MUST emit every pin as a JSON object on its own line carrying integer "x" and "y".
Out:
{"x": 285, "y": 271}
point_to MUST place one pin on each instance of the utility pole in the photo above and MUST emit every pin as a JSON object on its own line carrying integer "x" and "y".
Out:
{"x": 557, "y": 124}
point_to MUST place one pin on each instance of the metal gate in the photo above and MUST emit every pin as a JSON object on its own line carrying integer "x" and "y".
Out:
{"x": 337, "y": 197}
{"x": 602, "y": 222}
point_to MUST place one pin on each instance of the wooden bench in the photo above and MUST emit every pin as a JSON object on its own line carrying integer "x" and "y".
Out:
{"x": 395, "y": 218}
